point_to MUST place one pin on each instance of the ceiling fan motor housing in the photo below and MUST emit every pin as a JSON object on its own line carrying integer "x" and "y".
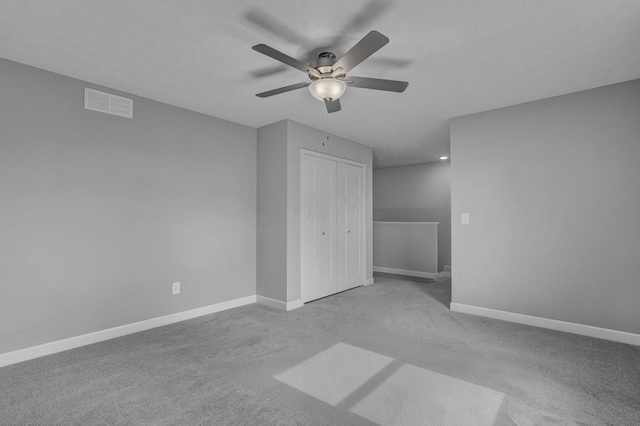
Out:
{"x": 324, "y": 64}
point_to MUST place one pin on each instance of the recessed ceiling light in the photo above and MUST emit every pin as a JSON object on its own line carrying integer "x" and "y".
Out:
{"x": 444, "y": 157}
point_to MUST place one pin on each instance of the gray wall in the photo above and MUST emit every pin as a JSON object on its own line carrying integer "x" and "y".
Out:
{"x": 553, "y": 192}
{"x": 408, "y": 246}
{"x": 100, "y": 214}
{"x": 272, "y": 211}
{"x": 416, "y": 193}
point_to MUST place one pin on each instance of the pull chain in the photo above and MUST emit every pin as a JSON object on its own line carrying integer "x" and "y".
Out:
{"x": 325, "y": 126}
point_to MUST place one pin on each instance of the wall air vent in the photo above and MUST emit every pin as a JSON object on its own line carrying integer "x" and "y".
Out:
{"x": 96, "y": 100}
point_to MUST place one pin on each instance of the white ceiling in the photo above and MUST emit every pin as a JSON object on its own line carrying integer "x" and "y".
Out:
{"x": 459, "y": 56}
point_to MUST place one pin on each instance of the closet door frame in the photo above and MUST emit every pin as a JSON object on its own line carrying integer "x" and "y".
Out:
{"x": 304, "y": 152}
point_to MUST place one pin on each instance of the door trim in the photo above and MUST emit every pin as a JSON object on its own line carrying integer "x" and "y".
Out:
{"x": 304, "y": 152}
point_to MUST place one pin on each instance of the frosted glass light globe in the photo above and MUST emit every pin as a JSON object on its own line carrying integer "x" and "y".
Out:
{"x": 327, "y": 88}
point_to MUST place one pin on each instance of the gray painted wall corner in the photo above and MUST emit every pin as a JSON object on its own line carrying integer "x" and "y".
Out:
{"x": 416, "y": 193}
{"x": 272, "y": 211}
{"x": 100, "y": 214}
{"x": 552, "y": 191}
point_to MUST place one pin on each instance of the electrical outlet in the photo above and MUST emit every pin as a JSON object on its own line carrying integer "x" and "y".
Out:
{"x": 465, "y": 218}
{"x": 175, "y": 288}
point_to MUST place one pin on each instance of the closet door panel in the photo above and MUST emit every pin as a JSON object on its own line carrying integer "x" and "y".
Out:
{"x": 350, "y": 226}
{"x": 318, "y": 216}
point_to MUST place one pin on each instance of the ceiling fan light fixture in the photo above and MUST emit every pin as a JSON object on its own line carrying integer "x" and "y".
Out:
{"x": 327, "y": 89}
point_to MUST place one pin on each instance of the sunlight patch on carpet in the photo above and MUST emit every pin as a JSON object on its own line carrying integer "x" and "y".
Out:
{"x": 415, "y": 396}
{"x": 334, "y": 373}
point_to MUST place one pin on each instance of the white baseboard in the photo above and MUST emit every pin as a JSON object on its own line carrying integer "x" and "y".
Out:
{"x": 294, "y": 305}
{"x": 26, "y": 354}
{"x": 368, "y": 281}
{"x": 278, "y": 304}
{"x": 569, "y": 327}
{"x": 405, "y": 272}
{"x": 271, "y": 303}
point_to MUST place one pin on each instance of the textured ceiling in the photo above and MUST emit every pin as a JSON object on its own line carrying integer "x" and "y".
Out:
{"x": 459, "y": 56}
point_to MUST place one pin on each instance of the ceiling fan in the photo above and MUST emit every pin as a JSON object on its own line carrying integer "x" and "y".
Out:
{"x": 328, "y": 75}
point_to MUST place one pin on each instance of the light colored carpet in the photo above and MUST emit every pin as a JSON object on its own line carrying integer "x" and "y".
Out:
{"x": 388, "y": 354}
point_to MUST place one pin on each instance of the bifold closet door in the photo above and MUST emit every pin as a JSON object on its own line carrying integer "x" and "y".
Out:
{"x": 350, "y": 226}
{"x": 318, "y": 216}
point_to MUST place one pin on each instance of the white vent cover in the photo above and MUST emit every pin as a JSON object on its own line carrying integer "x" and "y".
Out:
{"x": 96, "y": 100}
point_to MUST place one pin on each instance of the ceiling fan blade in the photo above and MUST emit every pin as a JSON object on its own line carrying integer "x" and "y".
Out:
{"x": 282, "y": 90}
{"x": 333, "y": 106}
{"x": 285, "y": 59}
{"x": 376, "y": 83}
{"x": 366, "y": 47}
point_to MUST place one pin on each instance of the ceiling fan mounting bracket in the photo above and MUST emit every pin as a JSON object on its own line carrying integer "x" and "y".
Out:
{"x": 324, "y": 63}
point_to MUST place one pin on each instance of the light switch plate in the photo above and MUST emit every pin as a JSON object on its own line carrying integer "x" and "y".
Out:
{"x": 465, "y": 218}
{"x": 175, "y": 288}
